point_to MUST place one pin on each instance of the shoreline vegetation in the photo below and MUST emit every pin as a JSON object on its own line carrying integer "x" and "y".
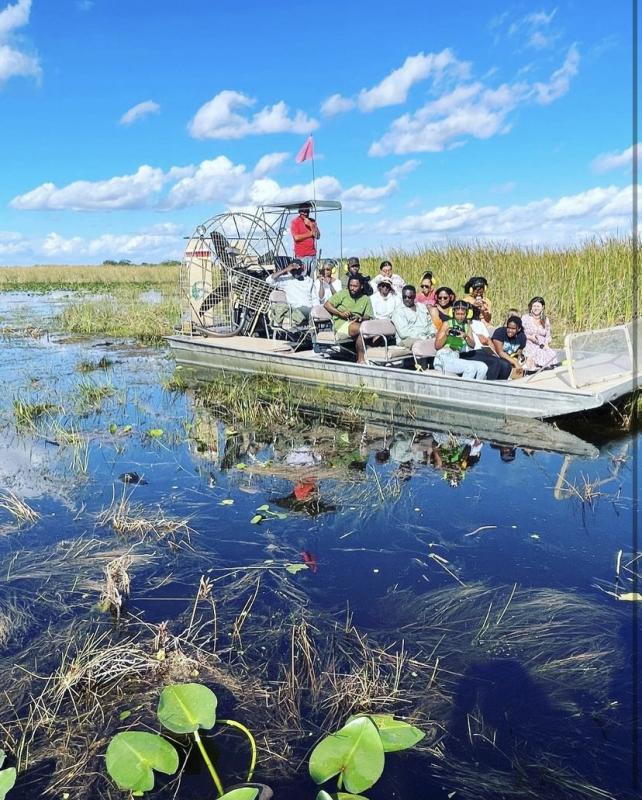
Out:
{"x": 586, "y": 287}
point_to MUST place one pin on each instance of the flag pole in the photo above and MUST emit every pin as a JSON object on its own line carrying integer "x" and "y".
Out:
{"x": 314, "y": 189}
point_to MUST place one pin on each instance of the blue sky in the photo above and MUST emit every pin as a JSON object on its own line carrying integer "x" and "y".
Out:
{"x": 127, "y": 123}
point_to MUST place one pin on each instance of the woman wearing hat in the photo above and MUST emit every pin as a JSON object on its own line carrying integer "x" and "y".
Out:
{"x": 475, "y": 290}
{"x": 384, "y": 300}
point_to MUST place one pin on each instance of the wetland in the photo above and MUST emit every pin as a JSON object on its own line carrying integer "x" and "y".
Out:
{"x": 305, "y": 563}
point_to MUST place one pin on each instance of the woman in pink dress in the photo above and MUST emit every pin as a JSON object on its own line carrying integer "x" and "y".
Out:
{"x": 427, "y": 294}
{"x": 537, "y": 327}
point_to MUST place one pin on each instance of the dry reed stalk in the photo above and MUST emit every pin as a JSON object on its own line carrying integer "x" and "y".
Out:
{"x": 18, "y": 509}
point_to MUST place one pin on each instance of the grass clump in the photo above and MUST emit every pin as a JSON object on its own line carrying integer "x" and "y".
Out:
{"x": 27, "y": 414}
{"x": 123, "y": 315}
{"x": 90, "y": 395}
{"x": 86, "y": 365}
{"x": 21, "y": 511}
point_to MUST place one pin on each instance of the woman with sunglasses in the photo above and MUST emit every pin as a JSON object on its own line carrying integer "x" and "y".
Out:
{"x": 442, "y": 310}
{"x": 427, "y": 294}
{"x": 475, "y": 289}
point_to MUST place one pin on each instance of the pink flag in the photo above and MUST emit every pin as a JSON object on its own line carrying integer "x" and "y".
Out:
{"x": 306, "y": 152}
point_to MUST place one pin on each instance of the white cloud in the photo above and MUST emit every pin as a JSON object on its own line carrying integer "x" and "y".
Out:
{"x": 56, "y": 245}
{"x": 214, "y": 180}
{"x": 13, "y": 243}
{"x": 404, "y": 169}
{"x": 219, "y": 118}
{"x": 336, "y": 104}
{"x": 139, "y": 111}
{"x": 470, "y": 110}
{"x": 126, "y": 191}
{"x": 270, "y": 162}
{"x": 606, "y": 162}
{"x": 533, "y": 30}
{"x": 504, "y": 188}
{"x": 14, "y": 62}
{"x": 393, "y": 89}
{"x": 600, "y": 210}
{"x": 560, "y": 80}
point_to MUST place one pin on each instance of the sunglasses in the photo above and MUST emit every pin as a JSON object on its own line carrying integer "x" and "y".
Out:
{"x": 443, "y": 297}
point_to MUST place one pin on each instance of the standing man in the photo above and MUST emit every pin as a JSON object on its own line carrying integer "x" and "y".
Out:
{"x": 305, "y": 233}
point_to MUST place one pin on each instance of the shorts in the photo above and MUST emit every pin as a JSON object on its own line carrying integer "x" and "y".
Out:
{"x": 344, "y": 328}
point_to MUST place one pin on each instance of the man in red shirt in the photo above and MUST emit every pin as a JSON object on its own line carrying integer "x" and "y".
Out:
{"x": 305, "y": 233}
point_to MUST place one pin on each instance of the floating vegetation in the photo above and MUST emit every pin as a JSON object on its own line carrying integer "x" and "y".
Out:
{"x": 90, "y": 395}
{"x": 132, "y": 519}
{"x": 19, "y": 510}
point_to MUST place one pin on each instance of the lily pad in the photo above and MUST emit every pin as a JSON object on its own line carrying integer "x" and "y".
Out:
{"x": 227, "y": 502}
{"x": 633, "y": 597}
{"x": 396, "y": 734}
{"x": 241, "y": 794}
{"x": 7, "y": 781}
{"x": 264, "y": 507}
{"x": 256, "y": 519}
{"x": 186, "y": 707}
{"x": 323, "y": 795}
{"x": 155, "y": 433}
{"x": 132, "y": 757}
{"x": 355, "y": 751}
{"x": 294, "y": 568}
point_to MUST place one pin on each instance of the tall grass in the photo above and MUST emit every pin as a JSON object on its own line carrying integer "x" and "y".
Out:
{"x": 90, "y": 278}
{"x": 585, "y": 287}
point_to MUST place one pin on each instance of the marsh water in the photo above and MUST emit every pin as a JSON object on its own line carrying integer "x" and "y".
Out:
{"x": 344, "y": 565}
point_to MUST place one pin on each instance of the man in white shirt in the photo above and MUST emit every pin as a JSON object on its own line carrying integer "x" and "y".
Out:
{"x": 384, "y": 300}
{"x": 411, "y": 319}
{"x": 299, "y": 291}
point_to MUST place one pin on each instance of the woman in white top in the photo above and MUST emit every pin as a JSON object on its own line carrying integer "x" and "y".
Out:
{"x": 324, "y": 285}
{"x": 384, "y": 300}
{"x": 386, "y": 271}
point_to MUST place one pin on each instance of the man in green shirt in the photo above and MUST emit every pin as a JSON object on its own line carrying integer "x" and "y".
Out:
{"x": 350, "y": 307}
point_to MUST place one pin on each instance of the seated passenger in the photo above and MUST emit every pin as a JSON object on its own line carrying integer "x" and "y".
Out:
{"x": 299, "y": 291}
{"x": 453, "y": 337}
{"x": 384, "y": 300}
{"x": 324, "y": 285}
{"x": 385, "y": 271}
{"x": 442, "y": 310}
{"x": 412, "y": 321}
{"x": 427, "y": 294}
{"x": 537, "y": 328}
{"x": 350, "y": 307}
{"x": 475, "y": 290}
{"x": 354, "y": 269}
{"x": 498, "y": 368}
{"x": 509, "y": 341}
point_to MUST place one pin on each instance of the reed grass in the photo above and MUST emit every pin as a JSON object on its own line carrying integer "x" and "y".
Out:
{"x": 122, "y": 316}
{"x": 42, "y": 278}
{"x": 585, "y": 287}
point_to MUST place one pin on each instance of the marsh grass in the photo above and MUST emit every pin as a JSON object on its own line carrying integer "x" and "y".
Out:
{"x": 28, "y": 414}
{"x": 87, "y": 365}
{"x": 19, "y": 510}
{"x": 585, "y": 287}
{"x": 132, "y": 519}
{"x": 90, "y": 395}
{"x": 91, "y": 278}
{"x": 123, "y": 315}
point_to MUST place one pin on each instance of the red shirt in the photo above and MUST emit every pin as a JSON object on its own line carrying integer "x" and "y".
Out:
{"x": 306, "y": 247}
{"x": 427, "y": 299}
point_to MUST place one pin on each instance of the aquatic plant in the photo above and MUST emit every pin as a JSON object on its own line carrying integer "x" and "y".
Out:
{"x": 18, "y": 509}
{"x": 131, "y": 519}
{"x": 7, "y": 777}
{"x": 27, "y": 414}
{"x": 183, "y": 708}
{"x": 86, "y": 365}
{"x": 87, "y": 278}
{"x": 356, "y": 752}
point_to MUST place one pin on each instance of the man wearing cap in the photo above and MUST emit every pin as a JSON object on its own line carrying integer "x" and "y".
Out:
{"x": 299, "y": 291}
{"x": 354, "y": 271}
{"x": 305, "y": 233}
{"x": 385, "y": 300}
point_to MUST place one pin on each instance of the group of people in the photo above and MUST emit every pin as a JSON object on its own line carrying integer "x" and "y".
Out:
{"x": 468, "y": 341}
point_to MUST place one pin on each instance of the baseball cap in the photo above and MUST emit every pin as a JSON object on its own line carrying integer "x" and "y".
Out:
{"x": 353, "y": 262}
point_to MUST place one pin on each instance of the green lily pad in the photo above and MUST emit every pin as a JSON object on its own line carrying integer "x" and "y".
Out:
{"x": 133, "y": 756}
{"x": 227, "y": 502}
{"x": 355, "y": 751}
{"x": 396, "y": 734}
{"x": 155, "y": 433}
{"x": 186, "y": 707}
{"x": 123, "y": 715}
{"x": 7, "y": 781}
{"x": 264, "y": 507}
{"x": 113, "y": 427}
{"x": 244, "y": 793}
{"x": 256, "y": 519}
{"x": 294, "y": 568}
{"x": 323, "y": 795}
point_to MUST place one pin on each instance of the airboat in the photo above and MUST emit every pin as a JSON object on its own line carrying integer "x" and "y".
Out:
{"x": 225, "y": 326}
